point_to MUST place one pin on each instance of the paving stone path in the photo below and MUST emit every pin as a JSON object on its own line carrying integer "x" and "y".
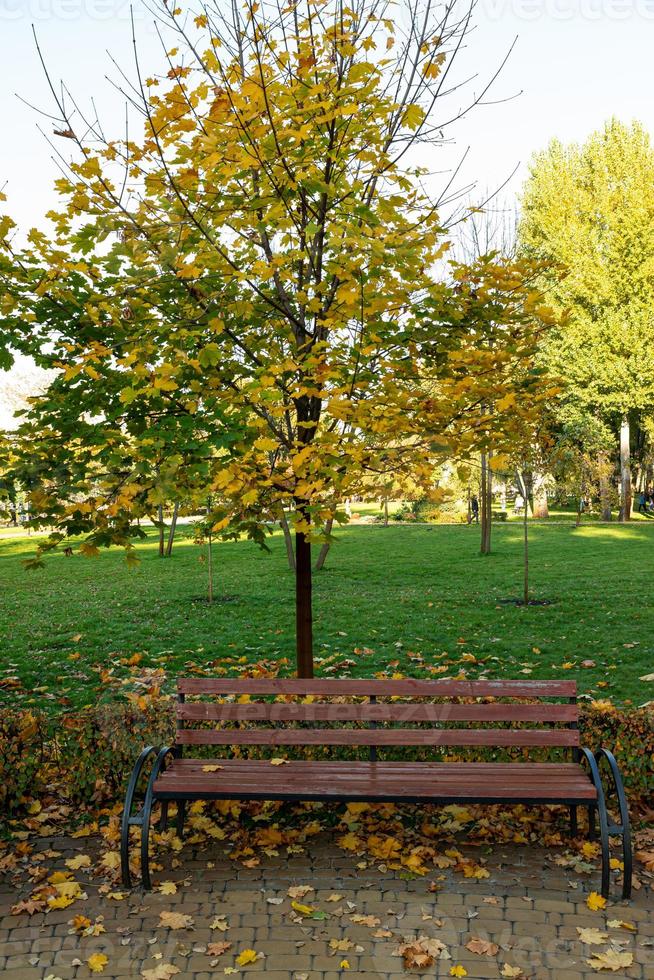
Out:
{"x": 527, "y": 907}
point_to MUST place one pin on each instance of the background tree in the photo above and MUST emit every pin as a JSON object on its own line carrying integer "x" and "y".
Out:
{"x": 588, "y": 213}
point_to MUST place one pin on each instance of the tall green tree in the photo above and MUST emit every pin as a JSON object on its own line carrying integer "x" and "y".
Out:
{"x": 588, "y": 214}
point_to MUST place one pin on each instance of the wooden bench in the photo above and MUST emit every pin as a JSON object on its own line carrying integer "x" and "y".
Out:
{"x": 381, "y": 715}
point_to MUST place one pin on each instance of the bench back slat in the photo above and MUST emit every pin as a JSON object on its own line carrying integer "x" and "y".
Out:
{"x": 365, "y": 687}
{"x": 393, "y": 712}
{"x": 381, "y": 736}
{"x": 287, "y": 720}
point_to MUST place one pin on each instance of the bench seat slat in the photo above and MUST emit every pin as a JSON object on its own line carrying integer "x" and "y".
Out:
{"x": 364, "y": 687}
{"x": 419, "y": 712}
{"x": 249, "y": 779}
{"x": 381, "y": 736}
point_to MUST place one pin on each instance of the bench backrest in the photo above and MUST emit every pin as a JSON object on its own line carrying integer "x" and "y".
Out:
{"x": 488, "y": 708}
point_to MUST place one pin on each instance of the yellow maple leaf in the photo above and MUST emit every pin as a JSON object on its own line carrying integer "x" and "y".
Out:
{"x": 247, "y": 956}
{"x": 278, "y": 762}
{"x": 80, "y": 922}
{"x": 592, "y": 937}
{"x": 621, "y": 924}
{"x": 168, "y": 888}
{"x": 458, "y": 971}
{"x": 595, "y": 902}
{"x": 81, "y": 861}
{"x": 611, "y": 959}
{"x": 97, "y": 962}
{"x": 211, "y": 768}
{"x": 344, "y": 965}
{"x": 175, "y": 920}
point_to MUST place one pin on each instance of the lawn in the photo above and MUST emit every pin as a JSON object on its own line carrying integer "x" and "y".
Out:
{"x": 398, "y": 599}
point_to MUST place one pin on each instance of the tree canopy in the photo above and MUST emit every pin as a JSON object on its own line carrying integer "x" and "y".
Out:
{"x": 249, "y": 297}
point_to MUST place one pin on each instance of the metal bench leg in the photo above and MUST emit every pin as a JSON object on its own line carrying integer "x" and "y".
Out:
{"x": 622, "y": 829}
{"x": 592, "y": 829}
{"x": 129, "y": 819}
{"x": 574, "y": 826}
{"x": 600, "y": 807}
{"x": 146, "y": 813}
{"x": 181, "y": 814}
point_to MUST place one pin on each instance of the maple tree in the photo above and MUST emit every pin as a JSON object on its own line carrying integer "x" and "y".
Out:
{"x": 245, "y": 301}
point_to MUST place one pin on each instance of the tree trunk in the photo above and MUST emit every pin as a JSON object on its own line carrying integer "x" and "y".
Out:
{"x": 485, "y": 503}
{"x": 625, "y": 471}
{"x": 162, "y": 545}
{"x": 605, "y": 494}
{"x": 303, "y": 600}
{"x": 540, "y": 508}
{"x": 324, "y": 551}
{"x": 385, "y": 513}
{"x": 288, "y": 541}
{"x": 210, "y": 569}
{"x": 525, "y": 524}
{"x": 171, "y": 531}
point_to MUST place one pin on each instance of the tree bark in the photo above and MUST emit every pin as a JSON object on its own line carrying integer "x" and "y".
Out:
{"x": 485, "y": 503}
{"x": 385, "y": 513}
{"x": 303, "y": 600}
{"x": 162, "y": 549}
{"x": 525, "y": 523}
{"x": 605, "y": 493}
{"x": 324, "y": 551}
{"x": 540, "y": 508}
{"x": 171, "y": 531}
{"x": 625, "y": 471}
{"x": 210, "y": 569}
{"x": 288, "y": 540}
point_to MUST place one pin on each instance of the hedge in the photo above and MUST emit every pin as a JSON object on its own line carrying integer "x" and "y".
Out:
{"x": 86, "y": 757}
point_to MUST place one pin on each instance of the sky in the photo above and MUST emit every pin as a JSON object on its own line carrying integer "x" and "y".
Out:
{"x": 575, "y": 63}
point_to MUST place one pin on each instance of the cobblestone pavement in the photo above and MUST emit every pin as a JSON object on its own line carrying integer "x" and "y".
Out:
{"x": 528, "y": 907}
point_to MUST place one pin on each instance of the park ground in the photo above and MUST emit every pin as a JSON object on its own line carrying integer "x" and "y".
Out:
{"x": 416, "y": 600}
{"x": 528, "y": 918}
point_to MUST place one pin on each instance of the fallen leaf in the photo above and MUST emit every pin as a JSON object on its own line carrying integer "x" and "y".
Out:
{"x": 302, "y": 909}
{"x": 611, "y": 959}
{"x": 279, "y": 762}
{"x": 28, "y": 906}
{"x": 167, "y": 888}
{"x": 299, "y": 891}
{"x": 458, "y": 971}
{"x": 366, "y": 920}
{"x": 595, "y": 902}
{"x": 81, "y": 861}
{"x": 162, "y": 971}
{"x": 620, "y": 924}
{"x": 211, "y": 768}
{"x": 247, "y": 956}
{"x": 175, "y": 920}
{"x": 592, "y": 937}
{"x": 217, "y": 949}
{"x": 483, "y": 947}
{"x": 97, "y": 962}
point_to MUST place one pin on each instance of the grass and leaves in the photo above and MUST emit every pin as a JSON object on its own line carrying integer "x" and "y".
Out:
{"x": 409, "y": 600}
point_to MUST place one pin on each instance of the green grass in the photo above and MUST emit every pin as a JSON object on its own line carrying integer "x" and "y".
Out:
{"x": 418, "y": 597}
